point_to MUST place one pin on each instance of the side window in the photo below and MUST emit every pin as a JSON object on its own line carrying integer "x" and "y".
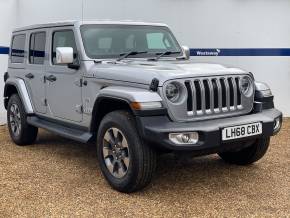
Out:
{"x": 63, "y": 38}
{"x": 17, "y": 51}
{"x": 37, "y": 48}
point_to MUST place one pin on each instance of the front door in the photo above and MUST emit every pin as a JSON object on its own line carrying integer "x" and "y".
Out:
{"x": 63, "y": 84}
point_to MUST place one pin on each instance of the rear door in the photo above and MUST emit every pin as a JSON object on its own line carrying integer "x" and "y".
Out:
{"x": 64, "y": 94}
{"x": 34, "y": 75}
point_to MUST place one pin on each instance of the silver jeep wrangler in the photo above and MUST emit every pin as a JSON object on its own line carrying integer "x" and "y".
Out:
{"x": 131, "y": 88}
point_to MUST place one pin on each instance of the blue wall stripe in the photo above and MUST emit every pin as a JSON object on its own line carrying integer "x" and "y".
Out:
{"x": 240, "y": 52}
{"x": 4, "y": 50}
{"x": 221, "y": 51}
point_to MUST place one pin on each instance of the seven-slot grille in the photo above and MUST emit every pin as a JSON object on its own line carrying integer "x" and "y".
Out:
{"x": 213, "y": 95}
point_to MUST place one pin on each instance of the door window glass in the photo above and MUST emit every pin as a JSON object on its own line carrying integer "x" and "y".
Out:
{"x": 64, "y": 38}
{"x": 17, "y": 51}
{"x": 37, "y": 48}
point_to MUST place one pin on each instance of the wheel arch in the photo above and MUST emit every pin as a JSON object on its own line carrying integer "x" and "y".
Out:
{"x": 104, "y": 105}
{"x": 118, "y": 98}
{"x": 17, "y": 86}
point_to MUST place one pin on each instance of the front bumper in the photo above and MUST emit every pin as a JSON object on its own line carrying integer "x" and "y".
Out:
{"x": 155, "y": 130}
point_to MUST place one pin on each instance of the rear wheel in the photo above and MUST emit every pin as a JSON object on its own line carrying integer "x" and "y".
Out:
{"x": 20, "y": 131}
{"x": 249, "y": 154}
{"x": 127, "y": 163}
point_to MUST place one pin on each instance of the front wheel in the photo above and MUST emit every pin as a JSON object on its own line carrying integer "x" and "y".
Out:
{"x": 127, "y": 163}
{"x": 249, "y": 154}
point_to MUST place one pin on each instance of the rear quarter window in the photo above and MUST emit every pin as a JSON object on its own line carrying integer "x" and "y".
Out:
{"x": 17, "y": 48}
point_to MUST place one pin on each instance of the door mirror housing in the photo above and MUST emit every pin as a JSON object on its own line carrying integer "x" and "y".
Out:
{"x": 64, "y": 55}
{"x": 186, "y": 52}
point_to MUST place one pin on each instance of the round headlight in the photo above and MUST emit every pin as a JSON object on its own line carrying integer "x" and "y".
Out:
{"x": 246, "y": 86}
{"x": 172, "y": 92}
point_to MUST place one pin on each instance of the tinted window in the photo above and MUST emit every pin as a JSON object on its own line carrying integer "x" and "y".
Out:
{"x": 63, "y": 38}
{"x": 37, "y": 48}
{"x": 17, "y": 51}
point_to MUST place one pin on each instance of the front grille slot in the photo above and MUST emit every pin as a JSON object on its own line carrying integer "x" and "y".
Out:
{"x": 232, "y": 95}
{"x": 216, "y": 93}
{"x": 190, "y": 96}
{"x": 207, "y": 94}
{"x": 239, "y": 100}
{"x": 224, "y": 97}
{"x": 213, "y": 95}
{"x": 198, "y": 95}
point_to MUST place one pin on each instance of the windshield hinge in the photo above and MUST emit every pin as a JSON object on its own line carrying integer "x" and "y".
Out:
{"x": 79, "y": 108}
{"x": 44, "y": 102}
{"x": 79, "y": 82}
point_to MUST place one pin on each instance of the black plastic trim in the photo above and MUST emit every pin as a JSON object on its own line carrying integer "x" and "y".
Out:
{"x": 146, "y": 113}
{"x": 6, "y": 76}
{"x": 62, "y": 130}
{"x": 155, "y": 130}
{"x": 154, "y": 85}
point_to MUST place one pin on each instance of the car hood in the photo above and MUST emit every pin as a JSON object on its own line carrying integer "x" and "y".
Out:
{"x": 143, "y": 72}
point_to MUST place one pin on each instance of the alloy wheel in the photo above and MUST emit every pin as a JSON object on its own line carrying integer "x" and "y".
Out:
{"x": 116, "y": 152}
{"x": 15, "y": 119}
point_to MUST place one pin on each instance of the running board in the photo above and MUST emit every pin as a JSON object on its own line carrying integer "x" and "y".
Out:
{"x": 64, "y": 131}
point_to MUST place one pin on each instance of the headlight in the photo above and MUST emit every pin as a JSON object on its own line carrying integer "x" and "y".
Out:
{"x": 172, "y": 92}
{"x": 246, "y": 86}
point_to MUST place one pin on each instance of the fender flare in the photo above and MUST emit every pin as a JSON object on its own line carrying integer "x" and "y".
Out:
{"x": 123, "y": 94}
{"x": 21, "y": 88}
{"x": 129, "y": 94}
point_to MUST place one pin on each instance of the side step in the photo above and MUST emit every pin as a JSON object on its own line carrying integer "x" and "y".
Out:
{"x": 64, "y": 131}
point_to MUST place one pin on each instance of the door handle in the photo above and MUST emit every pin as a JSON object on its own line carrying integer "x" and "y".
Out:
{"x": 50, "y": 78}
{"x": 29, "y": 76}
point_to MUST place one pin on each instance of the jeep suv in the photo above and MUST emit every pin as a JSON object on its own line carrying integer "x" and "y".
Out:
{"x": 133, "y": 90}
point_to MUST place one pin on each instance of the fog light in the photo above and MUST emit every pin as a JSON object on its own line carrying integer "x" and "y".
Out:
{"x": 184, "y": 138}
{"x": 277, "y": 124}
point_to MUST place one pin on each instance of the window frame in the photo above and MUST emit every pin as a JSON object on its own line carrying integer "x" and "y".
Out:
{"x": 12, "y": 42}
{"x": 29, "y": 43}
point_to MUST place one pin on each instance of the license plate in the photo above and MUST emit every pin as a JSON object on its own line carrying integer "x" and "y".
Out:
{"x": 242, "y": 131}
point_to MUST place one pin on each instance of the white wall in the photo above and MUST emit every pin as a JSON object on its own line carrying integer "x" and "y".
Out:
{"x": 7, "y": 23}
{"x": 198, "y": 24}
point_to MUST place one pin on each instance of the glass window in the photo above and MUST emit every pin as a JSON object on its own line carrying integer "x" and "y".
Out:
{"x": 37, "y": 48}
{"x": 109, "y": 41}
{"x": 155, "y": 41}
{"x": 64, "y": 38}
{"x": 17, "y": 51}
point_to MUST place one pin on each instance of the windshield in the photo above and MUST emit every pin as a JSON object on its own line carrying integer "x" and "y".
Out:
{"x": 110, "y": 41}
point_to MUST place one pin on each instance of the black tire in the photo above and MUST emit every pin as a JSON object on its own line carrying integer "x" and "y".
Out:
{"x": 142, "y": 158}
{"x": 249, "y": 154}
{"x": 27, "y": 134}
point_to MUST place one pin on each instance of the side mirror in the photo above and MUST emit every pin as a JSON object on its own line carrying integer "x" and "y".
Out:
{"x": 64, "y": 55}
{"x": 186, "y": 52}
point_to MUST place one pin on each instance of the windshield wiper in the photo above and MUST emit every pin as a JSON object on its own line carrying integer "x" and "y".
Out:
{"x": 125, "y": 55}
{"x": 159, "y": 55}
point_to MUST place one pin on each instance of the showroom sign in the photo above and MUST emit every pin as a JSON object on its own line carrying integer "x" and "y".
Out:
{"x": 240, "y": 52}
